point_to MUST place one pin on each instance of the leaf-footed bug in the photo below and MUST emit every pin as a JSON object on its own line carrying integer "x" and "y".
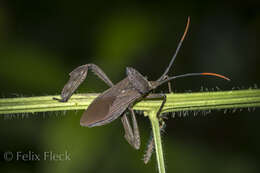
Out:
{"x": 120, "y": 98}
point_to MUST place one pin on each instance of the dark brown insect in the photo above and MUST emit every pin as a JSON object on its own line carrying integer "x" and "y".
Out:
{"x": 119, "y": 98}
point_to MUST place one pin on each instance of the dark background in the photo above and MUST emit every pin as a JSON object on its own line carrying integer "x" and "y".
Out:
{"x": 42, "y": 41}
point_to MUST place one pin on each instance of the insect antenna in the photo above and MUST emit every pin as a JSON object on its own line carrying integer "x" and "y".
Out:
{"x": 193, "y": 74}
{"x": 176, "y": 52}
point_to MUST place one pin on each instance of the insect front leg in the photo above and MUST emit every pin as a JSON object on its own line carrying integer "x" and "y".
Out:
{"x": 169, "y": 85}
{"x": 158, "y": 96}
{"x": 77, "y": 76}
{"x": 131, "y": 135}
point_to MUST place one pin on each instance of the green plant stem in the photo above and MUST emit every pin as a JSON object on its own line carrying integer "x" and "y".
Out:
{"x": 157, "y": 140}
{"x": 175, "y": 102}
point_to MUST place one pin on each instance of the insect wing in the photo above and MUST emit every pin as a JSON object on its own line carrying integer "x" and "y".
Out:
{"x": 122, "y": 102}
{"x": 97, "y": 111}
{"x": 109, "y": 105}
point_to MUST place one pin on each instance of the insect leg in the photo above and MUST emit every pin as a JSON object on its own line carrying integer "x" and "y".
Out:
{"x": 169, "y": 83}
{"x": 77, "y": 76}
{"x": 128, "y": 129}
{"x": 131, "y": 135}
{"x": 150, "y": 146}
{"x": 170, "y": 87}
{"x": 97, "y": 71}
{"x": 136, "y": 130}
{"x": 158, "y": 96}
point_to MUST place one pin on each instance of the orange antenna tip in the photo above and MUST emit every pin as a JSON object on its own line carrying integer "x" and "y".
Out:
{"x": 217, "y": 75}
{"x": 186, "y": 29}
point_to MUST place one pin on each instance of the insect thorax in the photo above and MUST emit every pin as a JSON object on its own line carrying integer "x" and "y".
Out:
{"x": 139, "y": 82}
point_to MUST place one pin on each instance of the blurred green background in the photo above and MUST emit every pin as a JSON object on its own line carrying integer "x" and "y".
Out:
{"x": 42, "y": 41}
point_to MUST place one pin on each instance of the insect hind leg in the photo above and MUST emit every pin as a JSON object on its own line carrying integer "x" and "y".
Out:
{"x": 132, "y": 136}
{"x": 77, "y": 76}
